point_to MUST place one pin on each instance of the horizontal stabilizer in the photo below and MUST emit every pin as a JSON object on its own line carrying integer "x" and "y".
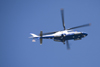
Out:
{"x": 31, "y": 37}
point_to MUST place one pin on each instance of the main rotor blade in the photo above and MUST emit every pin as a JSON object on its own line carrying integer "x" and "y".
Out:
{"x": 79, "y": 26}
{"x": 50, "y": 33}
{"x": 67, "y": 45}
{"x": 62, "y": 14}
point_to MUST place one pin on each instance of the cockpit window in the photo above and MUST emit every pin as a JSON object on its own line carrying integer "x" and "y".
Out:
{"x": 70, "y": 31}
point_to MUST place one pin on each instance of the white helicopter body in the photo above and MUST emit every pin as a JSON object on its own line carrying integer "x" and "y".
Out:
{"x": 61, "y": 36}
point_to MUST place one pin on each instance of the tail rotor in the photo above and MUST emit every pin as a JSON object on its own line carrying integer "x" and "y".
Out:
{"x": 41, "y": 37}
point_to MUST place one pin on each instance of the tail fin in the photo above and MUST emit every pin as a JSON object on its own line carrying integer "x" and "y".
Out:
{"x": 34, "y": 35}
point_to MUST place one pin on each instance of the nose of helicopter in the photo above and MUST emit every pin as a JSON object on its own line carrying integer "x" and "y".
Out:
{"x": 84, "y": 34}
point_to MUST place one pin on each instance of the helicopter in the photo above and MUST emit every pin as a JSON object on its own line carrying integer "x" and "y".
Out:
{"x": 61, "y": 36}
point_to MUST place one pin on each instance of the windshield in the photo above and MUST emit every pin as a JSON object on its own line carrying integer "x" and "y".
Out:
{"x": 70, "y": 31}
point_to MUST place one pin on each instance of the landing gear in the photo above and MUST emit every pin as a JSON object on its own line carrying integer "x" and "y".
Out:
{"x": 64, "y": 43}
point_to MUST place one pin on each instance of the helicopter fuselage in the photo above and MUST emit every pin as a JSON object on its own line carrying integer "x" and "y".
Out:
{"x": 61, "y": 36}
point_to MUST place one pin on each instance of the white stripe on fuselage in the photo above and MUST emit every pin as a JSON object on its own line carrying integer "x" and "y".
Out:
{"x": 65, "y": 32}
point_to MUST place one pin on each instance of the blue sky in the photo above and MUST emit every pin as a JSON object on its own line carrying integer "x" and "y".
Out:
{"x": 19, "y": 18}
